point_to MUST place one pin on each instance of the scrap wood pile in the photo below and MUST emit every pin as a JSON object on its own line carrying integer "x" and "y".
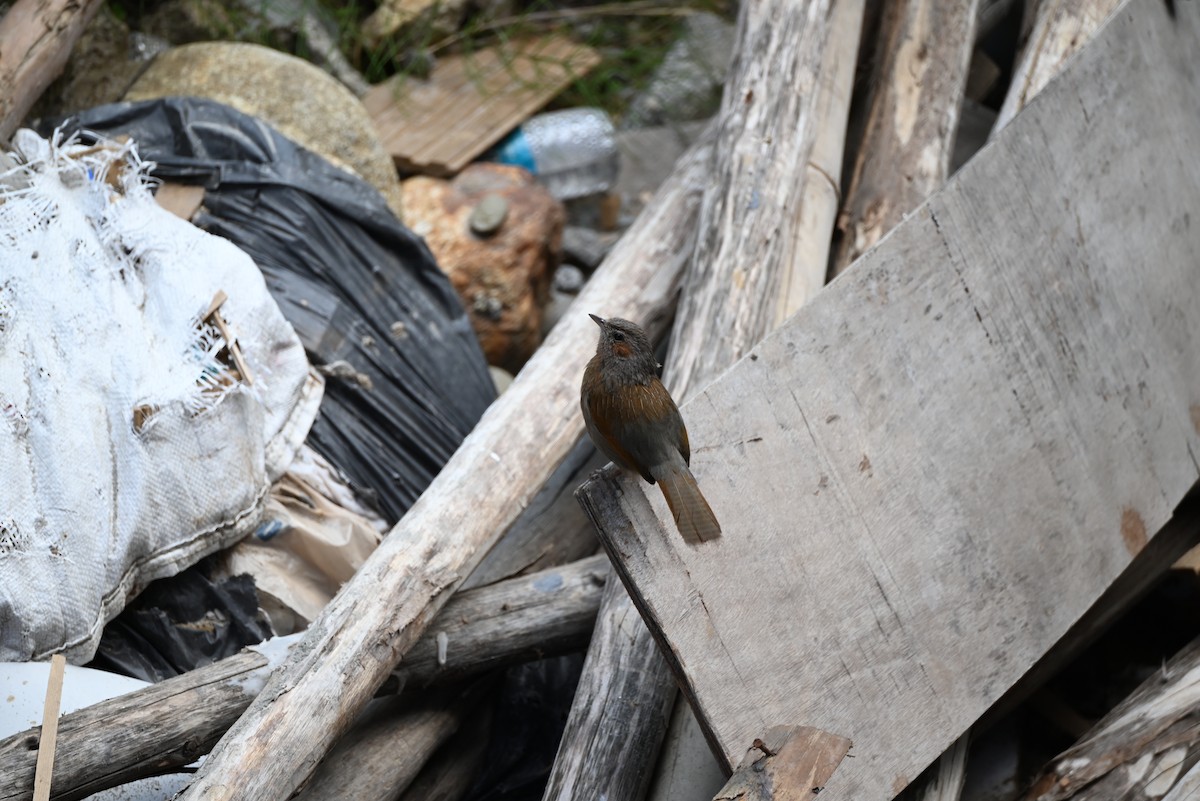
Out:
{"x": 954, "y": 486}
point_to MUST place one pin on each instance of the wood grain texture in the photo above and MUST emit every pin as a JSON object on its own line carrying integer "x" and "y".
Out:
{"x": 934, "y": 469}
{"x": 387, "y": 747}
{"x": 551, "y": 531}
{"x": 774, "y": 78}
{"x": 822, "y": 197}
{"x": 172, "y": 723}
{"x": 786, "y": 765}
{"x": 438, "y": 125}
{"x": 1061, "y": 28}
{"x": 454, "y": 768}
{"x": 36, "y": 37}
{"x": 620, "y": 713}
{"x": 917, "y": 92}
{"x": 1140, "y": 750}
{"x": 379, "y": 614}
{"x": 747, "y": 229}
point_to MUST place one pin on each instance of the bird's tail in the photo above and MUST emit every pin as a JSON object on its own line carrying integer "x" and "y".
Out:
{"x": 693, "y": 516}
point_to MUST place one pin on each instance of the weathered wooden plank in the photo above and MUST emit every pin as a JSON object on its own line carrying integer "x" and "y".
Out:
{"x": 924, "y": 49}
{"x": 174, "y": 722}
{"x": 350, "y": 649}
{"x": 438, "y": 125}
{"x": 939, "y": 464}
{"x": 36, "y": 37}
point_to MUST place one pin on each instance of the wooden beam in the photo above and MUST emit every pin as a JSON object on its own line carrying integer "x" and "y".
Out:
{"x": 378, "y": 615}
{"x": 172, "y": 723}
{"x": 935, "y": 468}
{"x": 924, "y": 51}
{"x": 36, "y": 37}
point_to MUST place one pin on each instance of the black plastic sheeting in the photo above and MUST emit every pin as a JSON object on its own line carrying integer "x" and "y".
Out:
{"x": 182, "y": 623}
{"x": 361, "y": 290}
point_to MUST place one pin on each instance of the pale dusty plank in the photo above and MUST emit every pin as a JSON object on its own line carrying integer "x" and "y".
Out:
{"x": 937, "y": 466}
{"x": 437, "y": 125}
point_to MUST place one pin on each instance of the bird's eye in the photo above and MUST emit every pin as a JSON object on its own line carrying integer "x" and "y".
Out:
{"x": 618, "y": 336}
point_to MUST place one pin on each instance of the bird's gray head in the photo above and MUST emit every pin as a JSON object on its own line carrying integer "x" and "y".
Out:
{"x": 624, "y": 347}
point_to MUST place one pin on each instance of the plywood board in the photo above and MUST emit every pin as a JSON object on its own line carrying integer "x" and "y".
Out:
{"x": 934, "y": 469}
{"x": 469, "y": 102}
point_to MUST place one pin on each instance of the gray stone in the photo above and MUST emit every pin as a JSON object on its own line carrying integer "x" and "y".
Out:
{"x": 586, "y": 247}
{"x": 299, "y": 100}
{"x": 687, "y": 85}
{"x": 648, "y": 156}
{"x": 488, "y": 214}
{"x": 569, "y": 279}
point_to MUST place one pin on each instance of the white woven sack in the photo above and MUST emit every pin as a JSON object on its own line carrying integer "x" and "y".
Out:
{"x": 128, "y": 448}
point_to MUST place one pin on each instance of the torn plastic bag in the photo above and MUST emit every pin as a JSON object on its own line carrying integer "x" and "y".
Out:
{"x": 406, "y": 377}
{"x": 182, "y": 623}
{"x": 130, "y": 444}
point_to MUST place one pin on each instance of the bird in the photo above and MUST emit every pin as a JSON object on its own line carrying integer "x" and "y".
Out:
{"x": 632, "y": 420}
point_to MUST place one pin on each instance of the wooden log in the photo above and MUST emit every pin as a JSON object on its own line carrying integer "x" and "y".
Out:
{"x": 36, "y": 37}
{"x": 749, "y": 218}
{"x": 451, "y": 773}
{"x": 822, "y": 197}
{"x": 1140, "y": 750}
{"x": 387, "y": 747}
{"x": 350, "y": 649}
{"x": 768, "y": 97}
{"x": 1060, "y": 30}
{"x": 619, "y": 713}
{"x": 786, "y": 765}
{"x": 948, "y": 775}
{"x": 924, "y": 485}
{"x": 552, "y": 531}
{"x": 924, "y": 49}
{"x": 172, "y": 723}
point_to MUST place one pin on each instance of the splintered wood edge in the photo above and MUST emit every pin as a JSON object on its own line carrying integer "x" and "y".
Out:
{"x": 786, "y": 764}
{"x": 601, "y": 499}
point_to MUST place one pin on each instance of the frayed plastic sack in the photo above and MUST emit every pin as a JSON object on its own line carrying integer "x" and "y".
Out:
{"x": 130, "y": 446}
{"x": 406, "y": 378}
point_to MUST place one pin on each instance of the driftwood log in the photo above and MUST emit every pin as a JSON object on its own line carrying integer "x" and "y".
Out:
{"x": 738, "y": 265}
{"x": 923, "y": 52}
{"x": 1141, "y": 750}
{"x": 922, "y": 483}
{"x": 36, "y": 37}
{"x": 368, "y": 627}
{"x": 170, "y": 724}
{"x": 1061, "y": 28}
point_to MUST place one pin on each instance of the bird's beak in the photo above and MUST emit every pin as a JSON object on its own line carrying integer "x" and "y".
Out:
{"x": 597, "y": 320}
